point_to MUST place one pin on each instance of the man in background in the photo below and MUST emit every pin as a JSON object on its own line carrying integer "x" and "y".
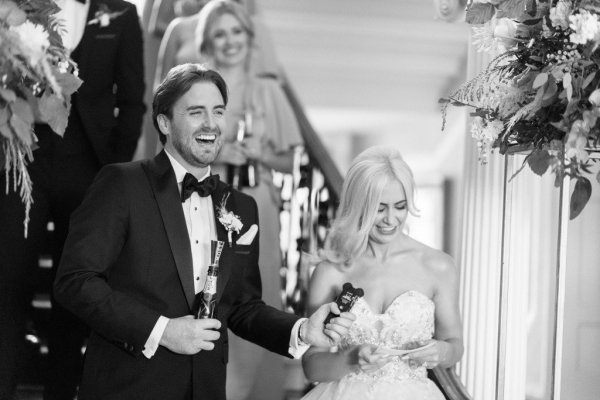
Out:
{"x": 105, "y": 40}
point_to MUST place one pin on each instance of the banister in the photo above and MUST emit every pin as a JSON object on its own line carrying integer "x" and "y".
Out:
{"x": 313, "y": 144}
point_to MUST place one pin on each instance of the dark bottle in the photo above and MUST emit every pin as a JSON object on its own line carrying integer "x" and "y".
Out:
{"x": 243, "y": 175}
{"x": 208, "y": 296}
{"x": 346, "y": 299}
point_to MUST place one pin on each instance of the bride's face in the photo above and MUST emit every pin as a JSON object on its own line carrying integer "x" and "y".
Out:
{"x": 391, "y": 214}
{"x": 230, "y": 41}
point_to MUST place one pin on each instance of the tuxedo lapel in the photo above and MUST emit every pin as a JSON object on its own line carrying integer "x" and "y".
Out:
{"x": 162, "y": 179}
{"x": 81, "y": 50}
{"x": 225, "y": 264}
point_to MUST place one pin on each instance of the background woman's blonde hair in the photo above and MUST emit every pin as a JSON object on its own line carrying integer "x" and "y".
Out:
{"x": 209, "y": 14}
{"x": 370, "y": 173}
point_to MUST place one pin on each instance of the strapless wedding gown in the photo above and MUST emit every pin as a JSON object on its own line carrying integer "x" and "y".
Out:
{"x": 409, "y": 318}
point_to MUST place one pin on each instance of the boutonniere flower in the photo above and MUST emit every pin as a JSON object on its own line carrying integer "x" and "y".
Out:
{"x": 104, "y": 15}
{"x": 228, "y": 219}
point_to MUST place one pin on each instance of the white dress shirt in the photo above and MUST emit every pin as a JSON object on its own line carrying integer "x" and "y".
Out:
{"x": 198, "y": 211}
{"x": 73, "y": 16}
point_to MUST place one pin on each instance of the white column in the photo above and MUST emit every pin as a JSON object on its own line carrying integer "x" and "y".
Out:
{"x": 479, "y": 260}
{"x": 506, "y": 279}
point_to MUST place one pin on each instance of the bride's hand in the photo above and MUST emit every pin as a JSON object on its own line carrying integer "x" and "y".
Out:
{"x": 431, "y": 356}
{"x": 367, "y": 360}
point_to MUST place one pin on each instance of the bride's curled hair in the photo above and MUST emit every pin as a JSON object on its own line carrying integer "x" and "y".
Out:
{"x": 371, "y": 171}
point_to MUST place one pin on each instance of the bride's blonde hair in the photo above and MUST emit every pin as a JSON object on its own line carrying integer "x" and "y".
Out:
{"x": 370, "y": 173}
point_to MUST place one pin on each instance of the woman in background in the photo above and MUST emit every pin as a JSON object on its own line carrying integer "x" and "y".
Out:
{"x": 410, "y": 292}
{"x": 178, "y": 45}
{"x": 259, "y": 111}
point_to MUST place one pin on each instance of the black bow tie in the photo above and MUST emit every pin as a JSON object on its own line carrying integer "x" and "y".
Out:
{"x": 190, "y": 184}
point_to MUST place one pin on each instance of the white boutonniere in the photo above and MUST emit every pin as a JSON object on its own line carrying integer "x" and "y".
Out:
{"x": 228, "y": 219}
{"x": 104, "y": 15}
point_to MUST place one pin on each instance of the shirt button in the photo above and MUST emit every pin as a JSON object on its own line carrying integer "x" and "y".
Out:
{"x": 196, "y": 242}
{"x": 197, "y": 278}
{"x": 195, "y": 208}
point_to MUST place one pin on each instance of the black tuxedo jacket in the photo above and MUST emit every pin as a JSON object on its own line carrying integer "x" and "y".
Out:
{"x": 127, "y": 260}
{"x": 108, "y": 107}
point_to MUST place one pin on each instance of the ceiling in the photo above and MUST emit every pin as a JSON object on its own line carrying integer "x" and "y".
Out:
{"x": 370, "y": 72}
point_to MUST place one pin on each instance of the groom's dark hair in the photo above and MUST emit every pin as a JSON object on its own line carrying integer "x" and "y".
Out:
{"x": 178, "y": 81}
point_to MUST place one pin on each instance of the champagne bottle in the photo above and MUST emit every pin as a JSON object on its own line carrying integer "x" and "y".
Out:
{"x": 208, "y": 297}
{"x": 244, "y": 175}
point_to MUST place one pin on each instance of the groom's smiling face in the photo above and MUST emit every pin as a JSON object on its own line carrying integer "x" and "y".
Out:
{"x": 194, "y": 133}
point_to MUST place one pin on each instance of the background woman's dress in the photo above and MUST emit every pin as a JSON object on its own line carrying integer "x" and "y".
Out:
{"x": 275, "y": 124}
{"x": 410, "y": 318}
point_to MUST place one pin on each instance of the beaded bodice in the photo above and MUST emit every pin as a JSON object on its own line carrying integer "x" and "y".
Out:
{"x": 409, "y": 318}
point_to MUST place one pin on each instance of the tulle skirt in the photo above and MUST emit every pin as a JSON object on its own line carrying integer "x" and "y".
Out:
{"x": 357, "y": 386}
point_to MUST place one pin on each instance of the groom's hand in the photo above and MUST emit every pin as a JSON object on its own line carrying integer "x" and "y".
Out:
{"x": 186, "y": 335}
{"x": 315, "y": 333}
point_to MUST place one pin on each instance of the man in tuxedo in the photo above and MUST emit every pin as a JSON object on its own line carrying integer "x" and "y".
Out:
{"x": 105, "y": 40}
{"x": 137, "y": 253}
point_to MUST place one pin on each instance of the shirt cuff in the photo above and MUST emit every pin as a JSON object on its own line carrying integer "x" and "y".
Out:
{"x": 154, "y": 339}
{"x": 296, "y": 350}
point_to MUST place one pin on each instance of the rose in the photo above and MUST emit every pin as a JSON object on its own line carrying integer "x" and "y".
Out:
{"x": 559, "y": 15}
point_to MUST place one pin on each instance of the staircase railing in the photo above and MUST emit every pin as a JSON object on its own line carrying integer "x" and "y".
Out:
{"x": 315, "y": 196}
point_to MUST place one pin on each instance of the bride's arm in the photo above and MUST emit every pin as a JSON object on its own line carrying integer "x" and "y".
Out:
{"x": 321, "y": 365}
{"x": 448, "y": 325}
{"x": 448, "y": 348}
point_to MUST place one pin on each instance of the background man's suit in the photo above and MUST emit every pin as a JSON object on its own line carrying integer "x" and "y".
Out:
{"x": 128, "y": 260}
{"x": 104, "y": 126}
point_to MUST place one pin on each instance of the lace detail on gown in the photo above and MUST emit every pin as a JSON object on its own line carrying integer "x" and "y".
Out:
{"x": 409, "y": 318}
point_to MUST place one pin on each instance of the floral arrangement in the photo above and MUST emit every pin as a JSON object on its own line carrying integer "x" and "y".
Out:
{"x": 228, "y": 219}
{"x": 541, "y": 92}
{"x": 37, "y": 78}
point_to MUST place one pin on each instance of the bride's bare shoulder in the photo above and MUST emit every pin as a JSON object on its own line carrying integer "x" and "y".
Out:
{"x": 330, "y": 271}
{"x": 433, "y": 259}
{"x": 325, "y": 283}
{"x": 439, "y": 263}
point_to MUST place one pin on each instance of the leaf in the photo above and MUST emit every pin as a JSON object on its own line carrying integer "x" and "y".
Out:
{"x": 21, "y": 121}
{"x": 588, "y": 79}
{"x": 531, "y": 7}
{"x": 540, "y": 80}
{"x": 580, "y": 196}
{"x": 479, "y": 13}
{"x": 512, "y": 9}
{"x": 68, "y": 82}
{"x": 567, "y": 84}
{"x": 443, "y": 100}
{"x": 4, "y": 127}
{"x": 550, "y": 92}
{"x": 533, "y": 21}
{"x": 54, "y": 111}
{"x": 539, "y": 161}
{"x": 8, "y": 95}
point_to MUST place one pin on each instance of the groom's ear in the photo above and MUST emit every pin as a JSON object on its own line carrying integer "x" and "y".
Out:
{"x": 164, "y": 124}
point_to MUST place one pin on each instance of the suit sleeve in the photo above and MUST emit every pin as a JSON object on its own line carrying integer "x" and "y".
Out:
{"x": 251, "y": 318}
{"x": 97, "y": 232}
{"x": 129, "y": 81}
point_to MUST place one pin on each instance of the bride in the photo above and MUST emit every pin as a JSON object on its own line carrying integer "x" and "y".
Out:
{"x": 410, "y": 292}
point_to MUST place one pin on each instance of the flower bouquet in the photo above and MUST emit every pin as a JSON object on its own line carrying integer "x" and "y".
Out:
{"x": 37, "y": 79}
{"x": 541, "y": 92}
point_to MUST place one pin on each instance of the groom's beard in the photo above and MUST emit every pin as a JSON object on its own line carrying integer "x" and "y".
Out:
{"x": 196, "y": 152}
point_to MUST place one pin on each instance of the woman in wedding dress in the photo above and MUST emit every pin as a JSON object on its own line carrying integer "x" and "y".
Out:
{"x": 410, "y": 292}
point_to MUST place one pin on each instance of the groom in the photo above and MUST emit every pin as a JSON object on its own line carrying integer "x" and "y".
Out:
{"x": 137, "y": 254}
